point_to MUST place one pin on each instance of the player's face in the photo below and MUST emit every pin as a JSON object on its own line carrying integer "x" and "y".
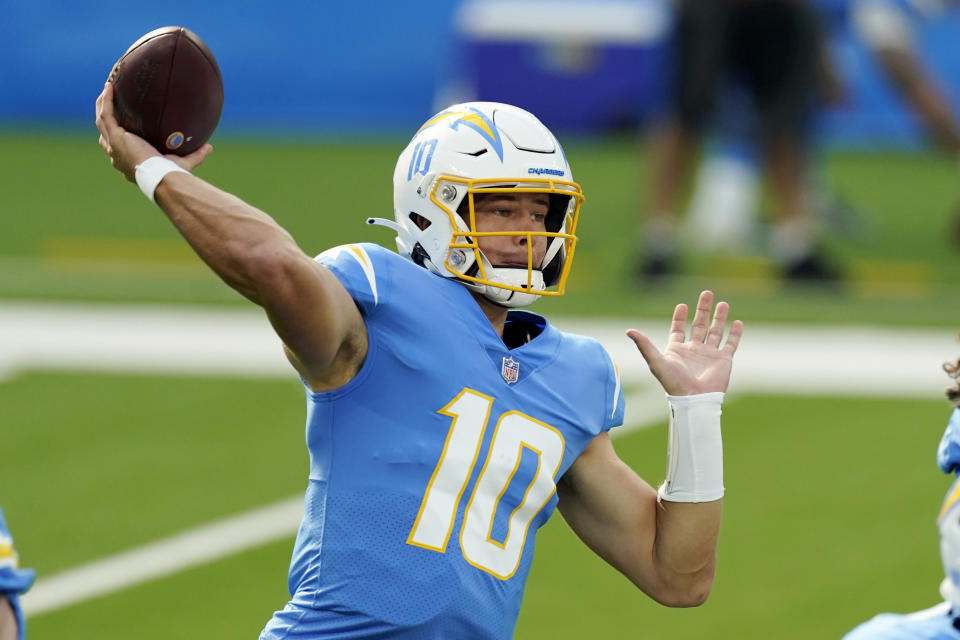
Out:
{"x": 512, "y": 212}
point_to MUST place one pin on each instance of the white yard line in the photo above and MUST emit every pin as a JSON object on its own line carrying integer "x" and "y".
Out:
{"x": 231, "y": 342}
{"x": 863, "y": 361}
{"x": 179, "y": 552}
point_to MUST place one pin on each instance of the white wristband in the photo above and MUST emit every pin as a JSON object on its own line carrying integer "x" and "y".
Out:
{"x": 694, "y": 450}
{"x": 151, "y": 171}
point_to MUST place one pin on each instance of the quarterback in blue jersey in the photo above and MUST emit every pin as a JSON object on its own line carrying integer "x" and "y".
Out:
{"x": 444, "y": 425}
{"x": 13, "y": 582}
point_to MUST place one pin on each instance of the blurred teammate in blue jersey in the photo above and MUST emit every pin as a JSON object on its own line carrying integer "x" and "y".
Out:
{"x": 940, "y": 622}
{"x": 13, "y": 582}
{"x": 443, "y": 424}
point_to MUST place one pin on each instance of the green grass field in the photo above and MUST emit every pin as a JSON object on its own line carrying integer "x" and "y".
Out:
{"x": 829, "y": 511}
{"x": 831, "y": 501}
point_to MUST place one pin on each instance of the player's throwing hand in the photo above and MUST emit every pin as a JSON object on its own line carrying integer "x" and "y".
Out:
{"x": 127, "y": 150}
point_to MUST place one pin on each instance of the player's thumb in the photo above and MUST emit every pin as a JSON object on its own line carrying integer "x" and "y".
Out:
{"x": 193, "y": 160}
{"x": 646, "y": 347}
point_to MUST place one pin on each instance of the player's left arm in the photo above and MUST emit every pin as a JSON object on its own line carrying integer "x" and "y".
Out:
{"x": 667, "y": 546}
{"x": 667, "y": 549}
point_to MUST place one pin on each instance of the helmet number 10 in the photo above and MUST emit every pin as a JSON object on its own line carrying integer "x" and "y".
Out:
{"x": 514, "y": 432}
{"x": 421, "y": 157}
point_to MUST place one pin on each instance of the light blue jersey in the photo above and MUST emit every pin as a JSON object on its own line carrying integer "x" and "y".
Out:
{"x": 13, "y": 580}
{"x": 935, "y": 623}
{"x": 948, "y": 453}
{"x": 432, "y": 470}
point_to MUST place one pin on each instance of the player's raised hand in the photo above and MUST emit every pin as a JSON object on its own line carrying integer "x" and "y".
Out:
{"x": 125, "y": 149}
{"x": 698, "y": 364}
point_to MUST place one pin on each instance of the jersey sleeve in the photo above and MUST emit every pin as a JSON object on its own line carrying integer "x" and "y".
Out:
{"x": 948, "y": 452}
{"x": 933, "y": 623}
{"x": 13, "y": 580}
{"x": 363, "y": 269}
{"x": 591, "y": 381}
{"x": 615, "y": 405}
{"x": 875, "y": 627}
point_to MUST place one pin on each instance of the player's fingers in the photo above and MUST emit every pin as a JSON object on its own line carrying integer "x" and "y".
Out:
{"x": 104, "y": 136}
{"x": 103, "y": 133}
{"x": 733, "y": 338}
{"x": 678, "y": 326}
{"x": 698, "y": 330}
{"x": 98, "y": 113}
{"x": 719, "y": 322}
{"x": 193, "y": 160}
{"x": 101, "y": 100}
{"x": 107, "y": 105}
{"x": 647, "y": 349}
{"x": 106, "y": 121}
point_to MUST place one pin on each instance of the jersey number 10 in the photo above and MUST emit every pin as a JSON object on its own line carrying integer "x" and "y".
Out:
{"x": 514, "y": 432}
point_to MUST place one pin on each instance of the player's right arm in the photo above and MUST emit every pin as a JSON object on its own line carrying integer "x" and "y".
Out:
{"x": 321, "y": 327}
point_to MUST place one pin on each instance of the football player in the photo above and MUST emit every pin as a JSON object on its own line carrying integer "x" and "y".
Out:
{"x": 444, "y": 426}
{"x": 888, "y": 28}
{"x": 13, "y": 582}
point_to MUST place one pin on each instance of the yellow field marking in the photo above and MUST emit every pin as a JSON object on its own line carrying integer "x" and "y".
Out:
{"x": 156, "y": 249}
{"x": 121, "y": 256}
{"x": 892, "y": 279}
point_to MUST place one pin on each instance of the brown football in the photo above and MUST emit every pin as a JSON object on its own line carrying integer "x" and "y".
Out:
{"x": 168, "y": 90}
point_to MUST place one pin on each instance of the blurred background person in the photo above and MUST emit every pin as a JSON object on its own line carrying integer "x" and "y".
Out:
{"x": 774, "y": 49}
{"x": 888, "y": 30}
{"x": 13, "y": 582}
{"x": 725, "y": 208}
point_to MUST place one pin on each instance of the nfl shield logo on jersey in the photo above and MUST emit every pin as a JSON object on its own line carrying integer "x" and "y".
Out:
{"x": 511, "y": 370}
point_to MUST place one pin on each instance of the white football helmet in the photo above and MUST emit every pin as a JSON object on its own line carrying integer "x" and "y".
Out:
{"x": 948, "y": 522}
{"x": 478, "y": 148}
